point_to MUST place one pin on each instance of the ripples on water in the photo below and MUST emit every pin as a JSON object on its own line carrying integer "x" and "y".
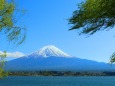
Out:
{"x": 57, "y": 81}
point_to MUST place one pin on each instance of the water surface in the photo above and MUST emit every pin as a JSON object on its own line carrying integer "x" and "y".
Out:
{"x": 58, "y": 81}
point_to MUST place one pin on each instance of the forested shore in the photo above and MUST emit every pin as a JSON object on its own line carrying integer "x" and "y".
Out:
{"x": 59, "y": 73}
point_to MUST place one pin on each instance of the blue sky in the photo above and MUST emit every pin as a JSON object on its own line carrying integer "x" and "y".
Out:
{"x": 47, "y": 24}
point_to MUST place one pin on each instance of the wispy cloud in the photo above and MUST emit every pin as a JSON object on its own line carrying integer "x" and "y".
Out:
{"x": 13, "y": 54}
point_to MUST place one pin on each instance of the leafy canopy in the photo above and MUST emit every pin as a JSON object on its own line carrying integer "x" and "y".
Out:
{"x": 7, "y": 22}
{"x": 9, "y": 28}
{"x": 93, "y": 15}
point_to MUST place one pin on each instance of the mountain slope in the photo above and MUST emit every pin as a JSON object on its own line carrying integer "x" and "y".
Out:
{"x": 51, "y": 58}
{"x": 55, "y": 63}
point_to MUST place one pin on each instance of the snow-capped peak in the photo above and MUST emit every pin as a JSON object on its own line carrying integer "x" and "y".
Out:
{"x": 49, "y": 51}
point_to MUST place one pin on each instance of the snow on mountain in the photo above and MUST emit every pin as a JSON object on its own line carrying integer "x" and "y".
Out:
{"x": 49, "y": 51}
{"x": 48, "y": 58}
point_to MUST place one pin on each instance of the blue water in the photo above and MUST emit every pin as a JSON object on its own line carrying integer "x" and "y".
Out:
{"x": 57, "y": 81}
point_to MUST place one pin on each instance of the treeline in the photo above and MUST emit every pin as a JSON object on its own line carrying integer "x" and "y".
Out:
{"x": 59, "y": 73}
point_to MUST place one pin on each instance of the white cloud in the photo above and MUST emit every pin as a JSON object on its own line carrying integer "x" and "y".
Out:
{"x": 13, "y": 54}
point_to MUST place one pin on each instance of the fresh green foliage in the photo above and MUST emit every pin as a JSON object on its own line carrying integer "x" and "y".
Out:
{"x": 112, "y": 58}
{"x": 93, "y": 15}
{"x": 8, "y": 26}
{"x": 3, "y": 73}
{"x": 14, "y": 33}
{"x": 2, "y": 61}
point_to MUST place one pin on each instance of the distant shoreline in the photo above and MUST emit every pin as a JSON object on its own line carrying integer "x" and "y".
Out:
{"x": 59, "y": 73}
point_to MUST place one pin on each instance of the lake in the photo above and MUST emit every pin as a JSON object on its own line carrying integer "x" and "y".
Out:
{"x": 58, "y": 81}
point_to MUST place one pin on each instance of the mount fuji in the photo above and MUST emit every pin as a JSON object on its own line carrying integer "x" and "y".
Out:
{"x": 49, "y": 51}
{"x": 50, "y": 58}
